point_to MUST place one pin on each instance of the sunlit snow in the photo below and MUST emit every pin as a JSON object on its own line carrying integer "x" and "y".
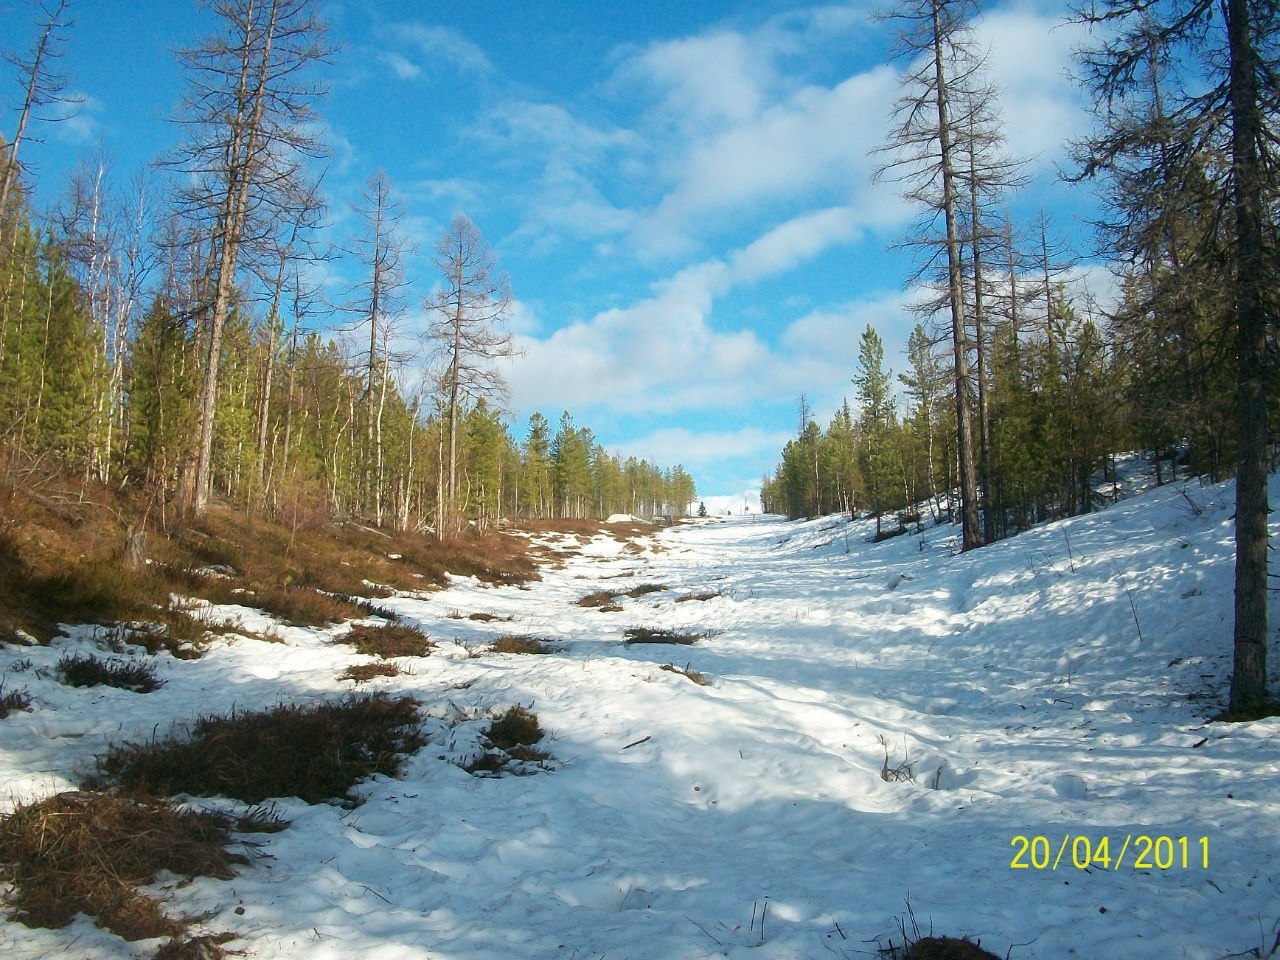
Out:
{"x": 881, "y": 722}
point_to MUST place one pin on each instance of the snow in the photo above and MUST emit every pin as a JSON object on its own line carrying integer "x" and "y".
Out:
{"x": 1053, "y": 685}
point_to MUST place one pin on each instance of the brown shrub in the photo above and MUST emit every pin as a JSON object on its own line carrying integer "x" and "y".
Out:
{"x": 523, "y": 645}
{"x": 388, "y": 640}
{"x": 359, "y": 673}
{"x": 510, "y": 737}
{"x": 316, "y": 752}
{"x": 645, "y": 589}
{"x": 661, "y": 635}
{"x": 604, "y": 600}
{"x": 699, "y": 678}
{"x": 12, "y": 701}
{"x": 90, "y": 671}
{"x": 947, "y": 948}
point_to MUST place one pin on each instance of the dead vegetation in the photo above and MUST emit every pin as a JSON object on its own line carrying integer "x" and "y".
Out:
{"x": 920, "y": 946}
{"x": 363, "y": 672}
{"x": 317, "y": 752}
{"x": 661, "y": 635}
{"x": 688, "y": 673}
{"x": 388, "y": 640}
{"x": 510, "y": 739}
{"x": 84, "y": 852}
{"x": 605, "y": 601}
{"x": 522, "y": 645}
{"x": 644, "y": 590}
{"x": 77, "y": 552}
{"x": 90, "y": 671}
{"x": 12, "y": 701}
{"x": 709, "y": 595}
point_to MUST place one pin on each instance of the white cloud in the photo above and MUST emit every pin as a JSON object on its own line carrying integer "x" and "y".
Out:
{"x": 433, "y": 50}
{"x": 664, "y": 354}
{"x": 74, "y": 118}
{"x": 695, "y": 449}
{"x": 403, "y": 68}
{"x": 1030, "y": 62}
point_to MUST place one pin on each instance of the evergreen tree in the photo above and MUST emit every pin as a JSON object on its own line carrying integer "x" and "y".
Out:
{"x": 878, "y": 453}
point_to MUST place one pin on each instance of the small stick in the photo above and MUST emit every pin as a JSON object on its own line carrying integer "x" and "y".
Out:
{"x": 638, "y": 742}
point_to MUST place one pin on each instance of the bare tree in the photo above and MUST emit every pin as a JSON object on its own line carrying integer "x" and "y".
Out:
{"x": 471, "y": 308}
{"x": 381, "y": 248}
{"x": 925, "y": 153}
{"x": 107, "y": 237}
{"x": 248, "y": 114}
{"x": 42, "y": 87}
{"x": 287, "y": 250}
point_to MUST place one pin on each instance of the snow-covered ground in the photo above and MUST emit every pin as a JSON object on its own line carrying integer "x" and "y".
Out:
{"x": 1052, "y": 686}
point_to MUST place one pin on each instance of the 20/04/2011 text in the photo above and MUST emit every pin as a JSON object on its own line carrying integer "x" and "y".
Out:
{"x": 1137, "y": 852}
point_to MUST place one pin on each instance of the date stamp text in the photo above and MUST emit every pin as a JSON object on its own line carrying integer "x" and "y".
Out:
{"x": 1133, "y": 851}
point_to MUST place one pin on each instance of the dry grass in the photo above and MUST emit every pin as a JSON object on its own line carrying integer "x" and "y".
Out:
{"x": 62, "y": 561}
{"x": 604, "y": 600}
{"x": 14, "y": 701}
{"x": 710, "y": 595}
{"x": 316, "y": 752}
{"x": 388, "y": 640}
{"x": 947, "y": 948}
{"x": 360, "y": 673}
{"x": 90, "y": 671}
{"x": 510, "y": 738}
{"x": 522, "y": 645}
{"x": 645, "y": 589}
{"x": 699, "y": 678}
{"x": 661, "y": 635}
{"x": 88, "y": 853}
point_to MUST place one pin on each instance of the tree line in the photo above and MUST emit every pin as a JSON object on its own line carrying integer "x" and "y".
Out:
{"x": 1017, "y": 389}
{"x": 171, "y": 333}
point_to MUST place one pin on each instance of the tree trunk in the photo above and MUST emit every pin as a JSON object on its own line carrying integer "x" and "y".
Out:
{"x": 1249, "y": 676}
{"x": 971, "y": 534}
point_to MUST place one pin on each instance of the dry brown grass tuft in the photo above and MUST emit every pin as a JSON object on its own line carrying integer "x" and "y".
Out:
{"x": 522, "y": 645}
{"x": 510, "y": 737}
{"x": 604, "y": 600}
{"x": 947, "y": 948}
{"x": 388, "y": 640}
{"x": 81, "y": 852}
{"x": 359, "y": 673}
{"x": 90, "y": 671}
{"x": 317, "y": 752}
{"x": 709, "y": 595}
{"x": 699, "y": 678}
{"x": 661, "y": 635}
{"x": 645, "y": 589}
{"x": 13, "y": 701}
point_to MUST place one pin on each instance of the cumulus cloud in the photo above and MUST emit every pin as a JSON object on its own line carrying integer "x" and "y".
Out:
{"x": 1030, "y": 60}
{"x": 695, "y": 449}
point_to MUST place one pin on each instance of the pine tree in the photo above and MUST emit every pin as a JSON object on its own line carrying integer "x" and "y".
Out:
{"x": 879, "y": 453}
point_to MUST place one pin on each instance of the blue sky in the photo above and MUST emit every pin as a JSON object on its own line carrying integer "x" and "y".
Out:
{"x": 681, "y": 193}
